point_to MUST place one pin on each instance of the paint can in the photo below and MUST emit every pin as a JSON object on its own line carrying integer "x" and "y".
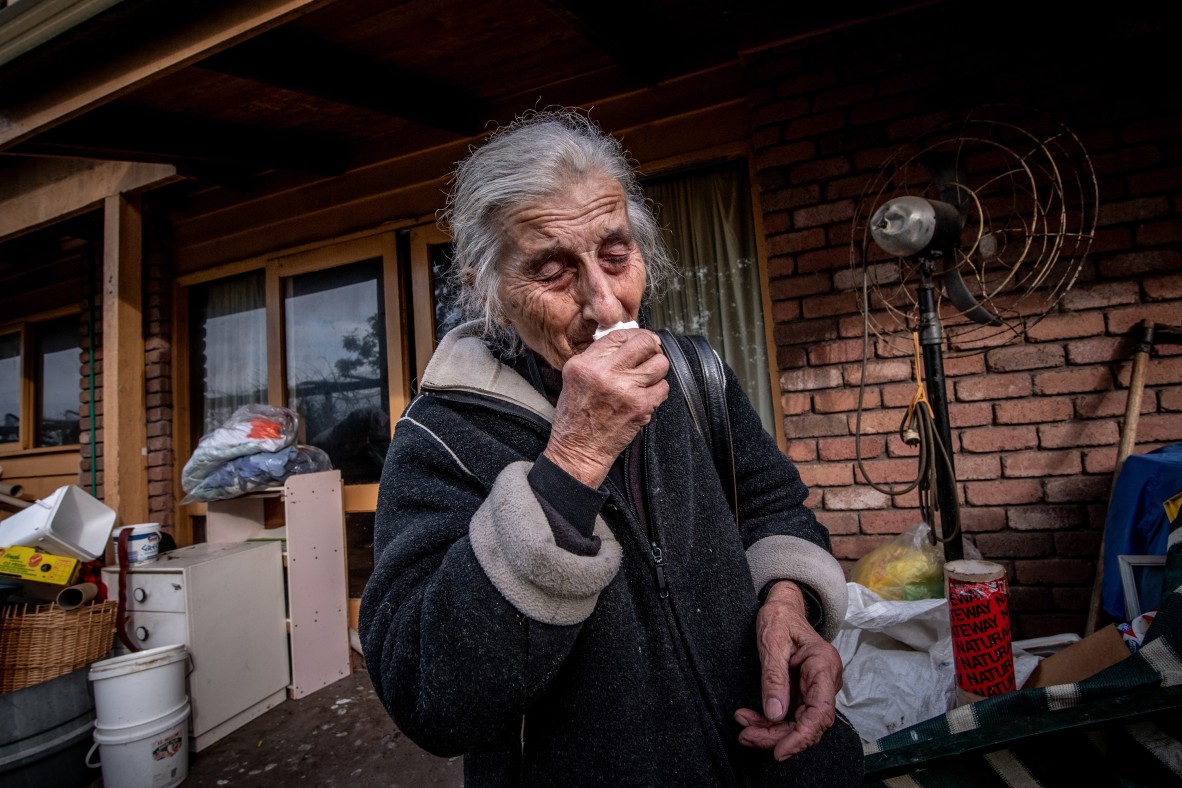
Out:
{"x": 143, "y": 543}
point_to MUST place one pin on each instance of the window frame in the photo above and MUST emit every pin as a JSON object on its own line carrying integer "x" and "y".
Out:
{"x": 26, "y": 432}
{"x": 422, "y": 238}
{"x": 276, "y": 267}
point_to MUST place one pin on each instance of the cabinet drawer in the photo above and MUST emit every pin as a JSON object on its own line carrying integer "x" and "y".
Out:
{"x": 152, "y": 630}
{"x": 162, "y": 592}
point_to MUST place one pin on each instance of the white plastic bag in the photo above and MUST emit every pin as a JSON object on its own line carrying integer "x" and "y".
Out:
{"x": 898, "y": 662}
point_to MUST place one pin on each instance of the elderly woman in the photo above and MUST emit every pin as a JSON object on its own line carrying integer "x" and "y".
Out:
{"x": 560, "y": 591}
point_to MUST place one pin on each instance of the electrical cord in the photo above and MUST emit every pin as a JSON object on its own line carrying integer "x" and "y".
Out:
{"x": 918, "y": 428}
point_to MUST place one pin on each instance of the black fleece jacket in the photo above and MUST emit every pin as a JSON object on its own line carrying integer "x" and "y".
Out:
{"x": 545, "y": 667}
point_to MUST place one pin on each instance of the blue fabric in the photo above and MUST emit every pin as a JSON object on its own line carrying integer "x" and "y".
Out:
{"x": 1137, "y": 523}
{"x": 241, "y": 475}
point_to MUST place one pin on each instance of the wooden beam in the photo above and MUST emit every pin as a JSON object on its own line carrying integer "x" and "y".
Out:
{"x": 301, "y": 63}
{"x": 40, "y": 191}
{"x": 124, "y": 424}
{"x": 668, "y": 48}
{"x": 221, "y": 27}
{"x": 360, "y": 497}
{"x": 767, "y": 26}
{"x": 119, "y": 134}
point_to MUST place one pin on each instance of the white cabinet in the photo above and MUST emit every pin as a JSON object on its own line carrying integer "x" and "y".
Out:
{"x": 225, "y": 602}
{"x": 310, "y": 511}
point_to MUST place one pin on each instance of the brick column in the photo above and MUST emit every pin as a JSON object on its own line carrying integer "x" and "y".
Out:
{"x": 91, "y": 333}
{"x": 158, "y": 371}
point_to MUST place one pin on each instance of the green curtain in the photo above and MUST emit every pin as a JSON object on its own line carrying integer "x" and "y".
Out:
{"x": 711, "y": 233}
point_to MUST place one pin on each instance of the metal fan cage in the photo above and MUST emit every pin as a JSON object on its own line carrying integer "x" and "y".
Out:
{"x": 1028, "y": 193}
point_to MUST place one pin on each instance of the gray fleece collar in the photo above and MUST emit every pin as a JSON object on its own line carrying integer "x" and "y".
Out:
{"x": 463, "y": 362}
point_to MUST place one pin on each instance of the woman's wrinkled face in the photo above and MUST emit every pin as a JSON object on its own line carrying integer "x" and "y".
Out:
{"x": 572, "y": 266}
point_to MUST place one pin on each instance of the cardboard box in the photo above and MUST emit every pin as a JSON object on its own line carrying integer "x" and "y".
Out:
{"x": 25, "y": 563}
{"x": 1099, "y": 650}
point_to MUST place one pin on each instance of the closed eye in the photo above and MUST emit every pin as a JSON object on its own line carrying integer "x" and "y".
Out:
{"x": 617, "y": 250}
{"x": 550, "y": 271}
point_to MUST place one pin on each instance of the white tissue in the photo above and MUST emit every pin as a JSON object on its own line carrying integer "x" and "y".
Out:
{"x": 601, "y": 332}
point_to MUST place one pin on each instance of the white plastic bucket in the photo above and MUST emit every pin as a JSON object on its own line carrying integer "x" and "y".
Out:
{"x": 152, "y": 755}
{"x": 70, "y": 522}
{"x": 137, "y": 688}
{"x": 143, "y": 543}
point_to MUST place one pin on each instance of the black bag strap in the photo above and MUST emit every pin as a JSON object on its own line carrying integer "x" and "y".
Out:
{"x": 707, "y": 405}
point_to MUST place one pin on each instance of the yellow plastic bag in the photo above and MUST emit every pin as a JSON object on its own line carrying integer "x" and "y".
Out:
{"x": 908, "y": 567}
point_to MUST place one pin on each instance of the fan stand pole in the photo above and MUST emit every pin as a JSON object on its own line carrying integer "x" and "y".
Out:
{"x": 931, "y": 340}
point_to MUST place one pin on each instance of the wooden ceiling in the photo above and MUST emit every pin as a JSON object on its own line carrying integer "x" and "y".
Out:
{"x": 337, "y": 84}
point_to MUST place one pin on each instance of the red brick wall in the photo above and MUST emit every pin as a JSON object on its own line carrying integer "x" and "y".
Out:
{"x": 92, "y": 317}
{"x": 1036, "y": 423}
{"x": 158, "y": 370}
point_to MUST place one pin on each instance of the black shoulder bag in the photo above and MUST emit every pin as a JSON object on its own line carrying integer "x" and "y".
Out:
{"x": 707, "y": 403}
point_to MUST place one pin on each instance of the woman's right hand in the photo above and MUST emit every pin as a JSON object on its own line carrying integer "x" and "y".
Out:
{"x": 609, "y": 391}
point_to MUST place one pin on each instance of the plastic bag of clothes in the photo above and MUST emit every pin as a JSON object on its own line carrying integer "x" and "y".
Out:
{"x": 910, "y": 566}
{"x": 252, "y": 429}
{"x": 255, "y": 471}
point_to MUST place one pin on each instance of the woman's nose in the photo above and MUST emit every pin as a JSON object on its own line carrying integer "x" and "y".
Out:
{"x": 600, "y": 303}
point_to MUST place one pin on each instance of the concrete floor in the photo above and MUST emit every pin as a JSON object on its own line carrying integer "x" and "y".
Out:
{"x": 339, "y": 735}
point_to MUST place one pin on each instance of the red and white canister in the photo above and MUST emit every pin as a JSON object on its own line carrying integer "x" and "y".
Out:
{"x": 982, "y": 645}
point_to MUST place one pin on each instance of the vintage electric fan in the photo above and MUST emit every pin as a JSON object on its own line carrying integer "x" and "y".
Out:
{"x": 964, "y": 239}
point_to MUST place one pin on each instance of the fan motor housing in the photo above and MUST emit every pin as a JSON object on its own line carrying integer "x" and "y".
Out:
{"x": 908, "y": 225}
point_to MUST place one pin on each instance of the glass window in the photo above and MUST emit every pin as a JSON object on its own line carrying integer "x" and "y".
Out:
{"x": 230, "y": 352}
{"x": 711, "y": 234}
{"x": 359, "y": 549}
{"x": 10, "y": 387}
{"x": 446, "y": 290}
{"x": 57, "y": 382}
{"x": 334, "y": 323}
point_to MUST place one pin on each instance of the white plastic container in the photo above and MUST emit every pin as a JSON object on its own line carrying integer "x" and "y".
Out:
{"x": 70, "y": 522}
{"x": 135, "y": 689}
{"x": 143, "y": 543}
{"x": 152, "y": 755}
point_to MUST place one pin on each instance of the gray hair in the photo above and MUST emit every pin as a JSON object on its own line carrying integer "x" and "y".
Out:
{"x": 531, "y": 160}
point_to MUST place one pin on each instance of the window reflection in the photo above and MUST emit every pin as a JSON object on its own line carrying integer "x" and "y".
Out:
{"x": 334, "y": 323}
{"x": 359, "y": 550}
{"x": 10, "y": 387}
{"x": 59, "y": 372}
{"x": 446, "y": 289}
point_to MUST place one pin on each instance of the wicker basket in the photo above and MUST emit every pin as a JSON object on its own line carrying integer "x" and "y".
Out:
{"x": 42, "y": 642}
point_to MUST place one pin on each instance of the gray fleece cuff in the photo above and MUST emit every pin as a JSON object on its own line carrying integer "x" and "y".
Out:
{"x": 515, "y": 546}
{"x": 784, "y": 557}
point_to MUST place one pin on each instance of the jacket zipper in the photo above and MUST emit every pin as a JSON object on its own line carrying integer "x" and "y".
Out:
{"x": 659, "y": 570}
{"x": 658, "y": 555}
{"x": 634, "y": 481}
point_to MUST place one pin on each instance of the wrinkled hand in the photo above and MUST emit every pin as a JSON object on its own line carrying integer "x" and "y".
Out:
{"x": 801, "y": 677}
{"x": 609, "y": 391}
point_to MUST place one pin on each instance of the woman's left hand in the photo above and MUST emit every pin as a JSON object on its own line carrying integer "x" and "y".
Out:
{"x": 801, "y": 677}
